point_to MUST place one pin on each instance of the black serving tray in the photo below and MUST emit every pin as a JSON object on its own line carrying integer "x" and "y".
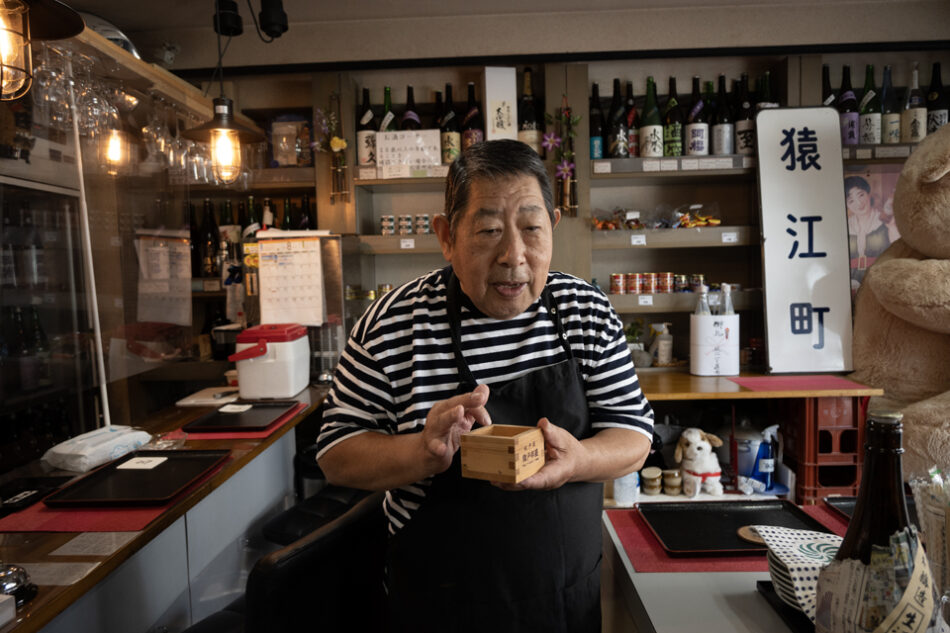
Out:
{"x": 23, "y": 492}
{"x": 110, "y": 485}
{"x": 793, "y": 618}
{"x": 708, "y": 528}
{"x": 260, "y": 416}
{"x": 845, "y": 507}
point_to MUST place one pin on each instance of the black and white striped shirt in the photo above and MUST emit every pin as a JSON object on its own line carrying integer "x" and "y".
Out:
{"x": 398, "y": 362}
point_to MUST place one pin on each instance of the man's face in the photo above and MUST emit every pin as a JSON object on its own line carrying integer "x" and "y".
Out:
{"x": 501, "y": 250}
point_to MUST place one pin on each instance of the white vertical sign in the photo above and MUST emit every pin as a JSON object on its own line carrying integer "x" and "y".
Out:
{"x": 804, "y": 240}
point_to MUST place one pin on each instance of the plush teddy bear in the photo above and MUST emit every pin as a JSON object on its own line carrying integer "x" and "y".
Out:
{"x": 902, "y": 310}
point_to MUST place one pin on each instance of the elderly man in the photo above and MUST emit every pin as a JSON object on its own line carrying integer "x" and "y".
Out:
{"x": 494, "y": 337}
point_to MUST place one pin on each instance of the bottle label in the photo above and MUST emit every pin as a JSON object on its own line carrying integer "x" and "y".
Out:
{"x": 366, "y": 147}
{"x": 870, "y": 94}
{"x": 448, "y": 117}
{"x": 849, "y": 128}
{"x": 367, "y": 117}
{"x": 410, "y": 115}
{"x": 766, "y": 465}
{"x": 847, "y": 95}
{"x": 451, "y": 146}
{"x": 935, "y": 120}
{"x": 829, "y": 100}
{"x": 596, "y": 147}
{"x": 531, "y": 138}
{"x": 870, "y": 128}
{"x": 695, "y": 109}
{"x": 618, "y": 147}
{"x": 745, "y": 137}
{"x": 268, "y": 217}
{"x": 470, "y": 137}
{"x": 723, "y": 136}
{"x": 651, "y": 141}
{"x": 891, "y": 128}
{"x": 633, "y": 141}
{"x": 249, "y": 232}
{"x": 673, "y": 139}
{"x": 387, "y": 119}
{"x": 913, "y": 125}
{"x": 697, "y": 139}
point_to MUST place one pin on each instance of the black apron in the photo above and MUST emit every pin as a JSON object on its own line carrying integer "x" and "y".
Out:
{"x": 477, "y": 558}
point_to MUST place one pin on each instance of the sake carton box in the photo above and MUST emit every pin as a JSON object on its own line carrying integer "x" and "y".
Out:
{"x": 500, "y": 103}
{"x": 502, "y": 452}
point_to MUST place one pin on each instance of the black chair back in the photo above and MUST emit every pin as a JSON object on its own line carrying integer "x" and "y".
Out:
{"x": 330, "y": 580}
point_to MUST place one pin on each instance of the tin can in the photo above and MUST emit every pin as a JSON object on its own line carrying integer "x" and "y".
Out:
{"x": 633, "y": 283}
{"x": 649, "y": 284}
{"x": 370, "y": 295}
{"x": 616, "y": 284}
{"x": 680, "y": 283}
{"x": 352, "y": 292}
{"x": 696, "y": 280}
{"x": 664, "y": 283}
{"x": 382, "y": 289}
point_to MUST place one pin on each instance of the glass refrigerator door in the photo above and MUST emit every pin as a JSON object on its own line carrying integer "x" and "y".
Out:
{"x": 48, "y": 386}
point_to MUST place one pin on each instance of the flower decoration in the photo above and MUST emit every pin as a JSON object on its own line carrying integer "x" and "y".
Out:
{"x": 337, "y": 144}
{"x": 551, "y": 141}
{"x": 324, "y": 131}
{"x": 565, "y": 169}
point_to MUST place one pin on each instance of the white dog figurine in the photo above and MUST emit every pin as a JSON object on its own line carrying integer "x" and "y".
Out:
{"x": 699, "y": 463}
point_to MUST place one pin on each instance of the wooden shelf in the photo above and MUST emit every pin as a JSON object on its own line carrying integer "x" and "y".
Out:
{"x": 679, "y": 384}
{"x": 699, "y": 237}
{"x": 679, "y": 168}
{"x": 678, "y": 302}
{"x": 891, "y": 153}
{"x": 401, "y": 185}
{"x": 399, "y": 244}
{"x": 282, "y": 178}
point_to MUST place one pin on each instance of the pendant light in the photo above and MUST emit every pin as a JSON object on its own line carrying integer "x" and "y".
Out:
{"x": 225, "y": 136}
{"x": 222, "y": 132}
{"x": 22, "y": 22}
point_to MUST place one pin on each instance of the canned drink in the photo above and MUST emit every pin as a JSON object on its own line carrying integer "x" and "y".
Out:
{"x": 633, "y": 283}
{"x": 680, "y": 283}
{"x": 649, "y": 284}
{"x": 351, "y": 292}
{"x": 664, "y": 283}
{"x": 616, "y": 284}
{"x": 387, "y": 231}
{"x": 696, "y": 280}
{"x": 370, "y": 295}
{"x": 382, "y": 289}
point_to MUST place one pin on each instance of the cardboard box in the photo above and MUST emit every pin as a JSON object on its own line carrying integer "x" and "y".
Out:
{"x": 502, "y": 452}
{"x": 500, "y": 103}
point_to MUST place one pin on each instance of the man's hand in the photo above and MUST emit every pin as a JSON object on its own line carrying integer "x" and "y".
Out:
{"x": 447, "y": 421}
{"x": 563, "y": 454}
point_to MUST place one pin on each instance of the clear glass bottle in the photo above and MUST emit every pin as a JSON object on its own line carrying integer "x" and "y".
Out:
{"x": 726, "y": 306}
{"x": 702, "y": 305}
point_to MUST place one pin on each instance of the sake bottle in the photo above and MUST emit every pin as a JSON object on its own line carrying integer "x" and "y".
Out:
{"x": 473, "y": 125}
{"x": 596, "y": 127}
{"x": 449, "y": 133}
{"x": 366, "y": 133}
{"x": 651, "y": 126}
{"x": 723, "y": 128}
{"x": 388, "y": 123}
{"x": 828, "y": 95}
{"x": 410, "y": 118}
{"x": 529, "y": 124}
{"x": 633, "y": 122}
{"x": 672, "y": 123}
{"x": 890, "y": 112}
{"x": 869, "y": 119}
{"x": 745, "y": 120}
{"x": 879, "y": 528}
{"x": 617, "y": 145}
{"x": 914, "y": 116}
{"x": 848, "y": 109}
{"x": 696, "y": 136}
{"x": 938, "y": 101}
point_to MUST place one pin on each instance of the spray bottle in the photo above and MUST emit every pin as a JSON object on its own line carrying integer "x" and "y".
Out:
{"x": 662, "y": 347}
{"x": 764, "y": 469}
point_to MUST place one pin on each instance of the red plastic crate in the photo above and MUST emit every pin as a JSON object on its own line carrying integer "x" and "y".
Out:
{"x": 823, "y": 444}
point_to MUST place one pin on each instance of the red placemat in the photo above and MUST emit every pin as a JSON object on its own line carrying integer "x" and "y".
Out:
{"x": 647, "y": 555}
{"x": 821, "y": 382}
{"x": 41, "y": 518}
{"x": 238, "y": 435}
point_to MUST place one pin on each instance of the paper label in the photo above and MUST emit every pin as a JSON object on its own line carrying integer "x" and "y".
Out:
{"x": 730, "y": 237}
{"x": 602, "y": 167}
{"x": 638, "y": 240}
{"x": 142, "y": 463}
{"x": 407, "y": 243}
{"x": 236, "y": 408}
{"x": 645, "y": 300}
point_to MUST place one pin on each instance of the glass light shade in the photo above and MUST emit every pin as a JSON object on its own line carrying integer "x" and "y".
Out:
{"x": 16, "y": 62}
{"x": 114, "y": 151}
{"x": 225, "y": 154}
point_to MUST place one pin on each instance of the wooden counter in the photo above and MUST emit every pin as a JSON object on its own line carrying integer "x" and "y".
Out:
{"x": 680, "y": 385}
{"x": 35, "y": 547}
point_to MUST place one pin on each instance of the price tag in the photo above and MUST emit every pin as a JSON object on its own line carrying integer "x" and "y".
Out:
{"x": 747, "y": 162}
{"x": 638, "y": 239}
{"x": 407, "y": 243}
{"x": 651, "y": 165}
{"x": 669, "y": 165}
{"x": 707, "y": 163}
{"x": 730, "y": 237}
{"x": 689, "y": 164}
{"x": 211, "y": 285}
{"x": 898, "y": 151}
{"x": 863, "y": 153}
{"x": 142, "y": 463}
{"x": 602, "y": 167}
{"x": 366, "y": 173}
{"x": 845, "y": 153}
{"x": 645, "y": 300}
